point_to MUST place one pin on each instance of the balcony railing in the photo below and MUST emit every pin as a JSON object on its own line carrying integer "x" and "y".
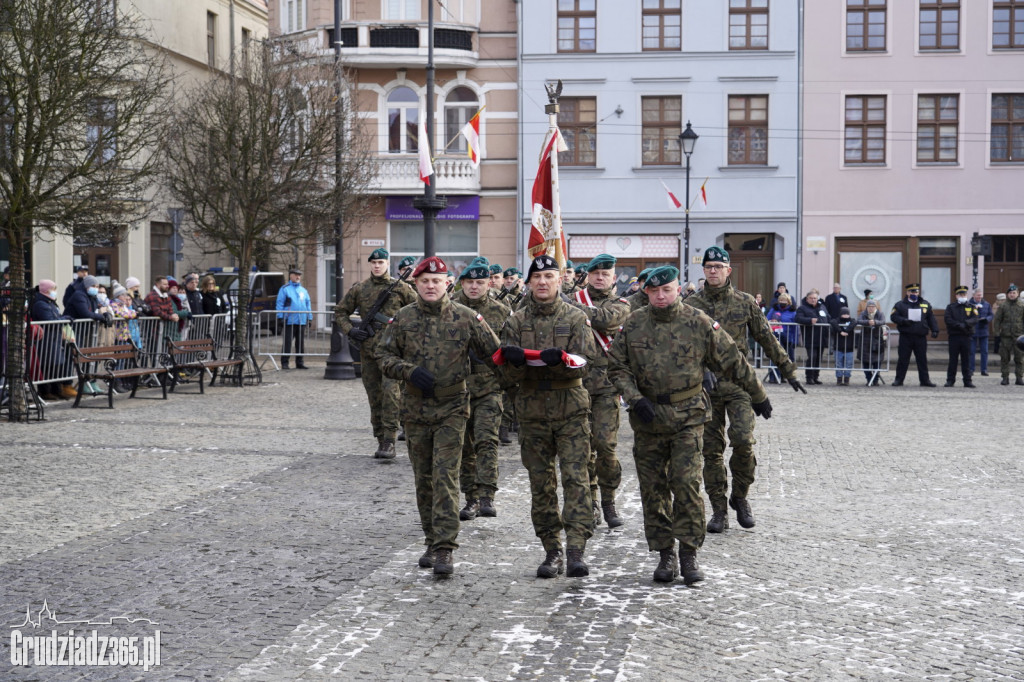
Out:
{"x": 401, "y": 174}
{"x": 379, "y": 45}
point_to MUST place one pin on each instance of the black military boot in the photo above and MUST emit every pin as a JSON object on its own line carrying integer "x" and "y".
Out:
{"x": 611, "y": 517}
{"x": 743, "y": 513}
{"x": 401, "y": 435}
{"x": 689, "y": 566}
{"x": 552, "y": 566}
{"x": 380, "y": 446}
{"x": 487, "y": 507}
{"x": 1019, "y": 382}
{"x": 668, "y": 567}
{"x": 468, "y": 513}
{"x": 1005, "y": 381}
{"x": 503, "y": 435}
{"x": 427, "y": 560}
{"x": 597, "y": 514}
{"x": 576, "y": 567}
{"x": 387, "y": 450}
{"x": 719, "y": 520}
{"x": 443, "y": 562}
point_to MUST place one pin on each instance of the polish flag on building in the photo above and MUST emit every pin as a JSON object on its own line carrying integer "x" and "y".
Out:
{"x": 426, "y": 167}
{"x": 471, "y": 131}
{"x": 702, "y": 195}
{"x": 546, "y": 236}
{"x": 673, "y": 202}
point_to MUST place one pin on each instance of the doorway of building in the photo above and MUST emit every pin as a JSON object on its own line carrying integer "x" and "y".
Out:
{"x": 102, "y": 262}
{"x": 753, "y": 259}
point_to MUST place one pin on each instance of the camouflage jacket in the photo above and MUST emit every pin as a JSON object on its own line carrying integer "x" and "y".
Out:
{"x": 1009, "y": 320}
{"x": 361, "y": 297}
{"x": 484, "y": 378}
{"x": 606, "y": 316}
{"x": 437, "y": 336}
{"x": 638, "y": 300}
{"x": 549, "y": 325}
{"x": 660, "y": 353}
{"x": 739, "y": 315}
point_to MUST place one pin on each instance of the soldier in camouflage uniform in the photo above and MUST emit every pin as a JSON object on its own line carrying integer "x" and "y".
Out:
{"x": 514, "y": 286}
{"x": 497, "y": 280}
{"x": 606, "y": 312}
{"x": 405, "y": 264}
{"x": 1008, "y": 325}
{"x": 513, "y": 282}
{"x": 553, "y": 411}
{"x": 382, "y": 392}
{"x": 657, "y": 363}
{"x": 428, "y": 345}
{"x": 639, "y": 299}
{"x": 739, "y": 315}
{"x": 479, "y": 477}
{"x": 569, "y": 278}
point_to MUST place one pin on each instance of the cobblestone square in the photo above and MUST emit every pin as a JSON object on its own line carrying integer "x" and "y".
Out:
{"x": 256, "y": 529}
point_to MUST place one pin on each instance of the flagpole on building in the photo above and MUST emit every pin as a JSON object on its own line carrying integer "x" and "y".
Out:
{"x": 430, "y": 204}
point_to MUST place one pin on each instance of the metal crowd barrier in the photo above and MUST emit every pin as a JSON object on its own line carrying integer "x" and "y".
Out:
{"x": 268, "y": 335}
{"x": 873, "y": 359}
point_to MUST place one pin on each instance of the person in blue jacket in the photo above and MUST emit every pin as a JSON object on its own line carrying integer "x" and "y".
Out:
{"x": 293, "y": 306}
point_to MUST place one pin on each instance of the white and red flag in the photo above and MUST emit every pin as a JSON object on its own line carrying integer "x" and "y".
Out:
{"x": 673, "y": 201}
{"x": 471, "y": 131}
{"x": 702, "y": 195}
{"x": 426, "y": 167}
{"x": 546, "y": 236}
{"x": 570, "y": 360}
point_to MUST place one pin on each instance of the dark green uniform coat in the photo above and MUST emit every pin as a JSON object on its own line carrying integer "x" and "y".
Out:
{"x": 1009, "y": 324}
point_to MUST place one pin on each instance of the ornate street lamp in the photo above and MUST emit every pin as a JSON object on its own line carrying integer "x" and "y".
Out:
{"x": 687, "y": 140}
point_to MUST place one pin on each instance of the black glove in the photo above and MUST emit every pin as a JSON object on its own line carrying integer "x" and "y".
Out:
{"x": 423, "y": 380}
{"x": 644, "y": 409}
{"x": 710, "y": 382}
{"x": 763, "y": 409}
{"x": 358, "y": 335}
{"x": 552, "y": 357}
{"x": 514, "y": 355}
{"x": 797, "y": 386}
{"x": 935, "y": 334}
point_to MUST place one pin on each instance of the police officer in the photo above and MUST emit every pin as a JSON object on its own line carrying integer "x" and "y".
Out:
{"x": 479, "y": 472}
{"x": 739, "y": 315}
{"x": 961, "y": 321}
{"x": 381, "y": 391}
{"x": 606, "y": 312}
{"x": 553, "y": 407}
{"x": 1009, "y": 324}
{"x": 662, "y": 385}
{"x": 428, "y": 345}
{"x": 914, "y": 318}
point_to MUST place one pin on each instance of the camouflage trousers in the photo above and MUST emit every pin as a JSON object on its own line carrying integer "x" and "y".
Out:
{"x": 732, "y": 401}
{"x": 566, "y": 441}
{"x": 479, "y": 474}
{"x": 384, "y": 397}
{"x": 604, "y": 468}
{"x": 668, "y": 467}
{"x": 508, "y": 409}
{"x": 435, "y": 451}
{"x": 1007, "y": 349}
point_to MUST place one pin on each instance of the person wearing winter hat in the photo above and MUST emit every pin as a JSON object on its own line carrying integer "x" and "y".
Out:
{"x": 83, "y": 304}
{"x": 843, "y": 328}
{"x": 81, "y": 272}
{"x": 48, "y": 352}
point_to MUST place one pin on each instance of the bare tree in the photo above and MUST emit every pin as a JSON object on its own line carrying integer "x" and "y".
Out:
{"x": 251, "y": 157}
{"x": 80, "y": 94}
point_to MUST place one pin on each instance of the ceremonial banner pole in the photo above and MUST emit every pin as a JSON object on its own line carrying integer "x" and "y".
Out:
{"x": 546, "y": 235}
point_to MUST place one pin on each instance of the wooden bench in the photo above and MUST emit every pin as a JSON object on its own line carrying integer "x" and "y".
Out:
{"x": 199, "y": 355}
{"x": 113, "y": 363}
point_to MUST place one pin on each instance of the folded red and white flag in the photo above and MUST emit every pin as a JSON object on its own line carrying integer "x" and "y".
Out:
{"x": 533, "y": 359}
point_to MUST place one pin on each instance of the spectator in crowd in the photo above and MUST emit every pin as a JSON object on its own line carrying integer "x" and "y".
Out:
{"x": 813, "y": 317}
{"x": 780, "y": 289}
{"x": 781, "y": 313}
{"x": 872, "y": 342}
{"x": 126, "y": 325}
{"x": 751, "y": 344}
{"x": 836, "y": 301}
{"x": 634, "y": 286}
{"x": 843, "y": 328}
{"x": 160, "y": 305}
{"x": 213, "y": 304}
{"x": 979, "y": 342}
{"x": 84, "y": 304}
{"x": 49, "y": 358}
{"x": 1000, "y": 300}
{"x": 759, "y": 300}
{"x": 132, "y": 284}
{"x": 81, "y": 272}
{"x": 862, "y": 306}
{"x": 180, "y": 302}
{"x": 192, "y": 295}
{"x": 105, "y": 332}
{"x": 294, "y": 298}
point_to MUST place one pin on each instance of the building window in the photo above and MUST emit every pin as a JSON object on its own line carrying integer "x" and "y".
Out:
{"x": 246, "y": 44}
{"x": 748, "y": 24}
{"x": 1008, "y": 24}
{"x": 457, "y": 242}
{"x": 748, "y": 130}
{"x": 577, "y": 25}
{"x": 662, "y": 25}
{"x": 100, "y": 129}
{"x": 662, "y": 125}
{"x": 104, "y": 12}
{"x": 940, "y": 25}
{"x": 211, "y": 39}
{"x": 293, "y": 15}
{"x": 865, "y": 25}
{"x": 865, "y": 129}
{"x": 938, "y": 124}
{"x": 577, "y": 119}
{"x": 403, "y": 120}
{"x": 161, "y": 250}
{"x": 459, "y": 107}
{"x": 406, "y": 10}
{"x": 1007, "y": 128}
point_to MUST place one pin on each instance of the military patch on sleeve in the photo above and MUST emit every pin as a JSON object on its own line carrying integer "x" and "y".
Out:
{"x": 452, "y": 333}
{"x": 622, "y": 300}
{"x": 564, "y": 330}
{"x": 390, "y": 320}
{"x": 715, "y": 325}
{"x": 479, "y": 317}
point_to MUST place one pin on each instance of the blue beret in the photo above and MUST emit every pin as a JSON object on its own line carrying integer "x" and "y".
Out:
{"x": 661, "y": 276}
{"x": 601, "y": 262}
{"x": 716, "y": 254}
{"x": 379, "y": 254}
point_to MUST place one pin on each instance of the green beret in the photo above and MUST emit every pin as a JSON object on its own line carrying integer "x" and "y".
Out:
{"x": 569, "y": 265}
{"x": 717, "y": 254}
{"x": 406, "y": 262}
{"x": 642, "y": 277}
{"x": 379, "y": 254}
{"x": 475, "y": 271}
{"x": 661, "y": 276}
{"x": 513, "y": 271}
{"x": 1012, "y": 287}
{"x": 479, "y": 260}
{"x": 495, "y": 269}
{"x": 601, "y": 262}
